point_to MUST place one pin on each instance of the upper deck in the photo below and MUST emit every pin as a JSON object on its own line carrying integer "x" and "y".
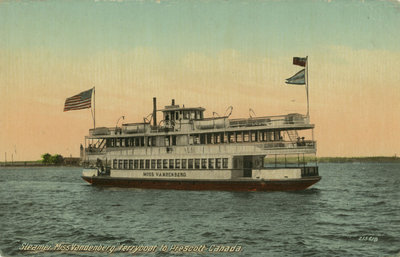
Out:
{"x": 186, "y": 126}
{"x": 195, "y": 123}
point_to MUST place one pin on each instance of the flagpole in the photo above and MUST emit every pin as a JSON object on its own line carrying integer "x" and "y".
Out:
{"x": 94, "y": 107}
{"x": 308, "y": 105}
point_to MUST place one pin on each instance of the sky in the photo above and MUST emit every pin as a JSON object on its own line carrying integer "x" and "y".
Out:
{"x": 213, "y": 54}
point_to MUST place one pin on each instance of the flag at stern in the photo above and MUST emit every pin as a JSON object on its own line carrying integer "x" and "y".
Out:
{"x": 301, "y": 61}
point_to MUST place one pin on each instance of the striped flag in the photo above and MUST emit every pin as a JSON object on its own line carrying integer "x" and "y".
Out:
{"x": 80, "y": 101}
{"x": 301, "y": 61}
{"x": 298, "y": 78}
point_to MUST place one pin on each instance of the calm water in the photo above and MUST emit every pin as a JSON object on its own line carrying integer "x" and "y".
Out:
{"x": 353, "y": 211}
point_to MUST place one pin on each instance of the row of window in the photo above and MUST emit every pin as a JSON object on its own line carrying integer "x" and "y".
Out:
{"x": 194, "y": 139}
{"x": 204, "y": 163}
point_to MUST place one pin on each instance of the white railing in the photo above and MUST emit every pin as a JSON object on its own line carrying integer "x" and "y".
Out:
{"x": 290, "y": 119}
{"x": 289, "y": 145}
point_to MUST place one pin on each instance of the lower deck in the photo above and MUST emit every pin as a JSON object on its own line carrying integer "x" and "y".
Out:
{"x": 210, "y": 174}
{"x": 205, "y": 172}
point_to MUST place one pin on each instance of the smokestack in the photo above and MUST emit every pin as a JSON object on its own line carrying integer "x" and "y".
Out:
{"x": 154, "y": 111}
{"x": 173, "y": 102}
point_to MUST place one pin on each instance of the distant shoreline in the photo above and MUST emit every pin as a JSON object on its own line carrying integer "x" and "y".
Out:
{"x": 379, "y": 159}
{"x": 32, "y": 164}
{"x": 358, "y": 159}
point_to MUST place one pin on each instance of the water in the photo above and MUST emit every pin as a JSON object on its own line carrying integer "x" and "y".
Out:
{"x": 353, "y": 211}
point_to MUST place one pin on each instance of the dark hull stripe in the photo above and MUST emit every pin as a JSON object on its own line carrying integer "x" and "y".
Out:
{"x": 270, "y": 185}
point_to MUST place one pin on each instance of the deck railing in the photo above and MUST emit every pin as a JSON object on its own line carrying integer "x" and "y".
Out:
{"x": 308, "y": 144}
{"x": 291, "y": 119}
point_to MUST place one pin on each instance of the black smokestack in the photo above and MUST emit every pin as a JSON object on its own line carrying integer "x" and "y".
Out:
{"x": 154, "y": 111}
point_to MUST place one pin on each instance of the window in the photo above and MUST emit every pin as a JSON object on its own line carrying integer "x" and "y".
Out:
{"x": 204, "y": 163}
{"x": 165, "y": 164}
{"x": 261, "y": 137}
{"x": 120, "y": 163}
{"x": 147, "y": 164}
{"x": 209, "y": 138}
{"x": 196, "y": 139}
{"x": 254, "y": 136}
{"x": 270, "y": 136}
{"x": 231, "y": 137}
{"x": 277, "y": 135}
{"x": 126, "y": 164}
{"x": 171, "y": 163}
{"x": 202, "y": 139}
{"x": 211, "y": 163}
{"x": 159, "y": 164}
{"x": 217, "y": 138}
{"x": 190, "y": 163}
{"x": 153, "y": 164}
{"x": 246, "y": 136}
{"x": 177, "y": 163}
{"x": 136, "y": 164}
{"x": 239, "y": 137}
{"x": 152, "y": 141}
{"x": 115, "y": 163}
{"x": 183, "y": 163}
{"x": 131, "y": 164}
{"x": 218, "y": 163}
{"x": 186, "y": 115}
{"x": 225, "y": 163}
{"x": 141, "y": 164}
{"x": 197, "y": 163}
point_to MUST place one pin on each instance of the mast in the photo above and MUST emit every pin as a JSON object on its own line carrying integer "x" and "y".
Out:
{"x": 308, "y": 105}
{"x": 93, "y": 109}
{"x": 94, "y": 105}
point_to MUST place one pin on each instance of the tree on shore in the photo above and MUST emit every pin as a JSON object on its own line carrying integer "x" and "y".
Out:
{"x": 56, "y": 159}
{"x": 46, "y": 158}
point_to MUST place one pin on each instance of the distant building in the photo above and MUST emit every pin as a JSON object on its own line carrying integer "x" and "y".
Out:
{"x": 72, "y": 161}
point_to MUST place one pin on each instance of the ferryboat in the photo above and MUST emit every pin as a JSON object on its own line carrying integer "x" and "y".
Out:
{"x": 187, "y": 151}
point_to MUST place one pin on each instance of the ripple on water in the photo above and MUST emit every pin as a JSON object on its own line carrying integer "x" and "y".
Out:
{"x": 55, "y": 205}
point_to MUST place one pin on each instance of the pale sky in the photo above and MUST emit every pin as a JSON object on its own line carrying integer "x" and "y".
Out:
{"x": 212, "y": 54}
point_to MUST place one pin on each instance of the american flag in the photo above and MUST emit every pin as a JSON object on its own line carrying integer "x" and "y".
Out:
{"x": 80, "y": 101}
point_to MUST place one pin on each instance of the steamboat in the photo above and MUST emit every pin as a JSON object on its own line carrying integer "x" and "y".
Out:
{"x": 186, "y": 151}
